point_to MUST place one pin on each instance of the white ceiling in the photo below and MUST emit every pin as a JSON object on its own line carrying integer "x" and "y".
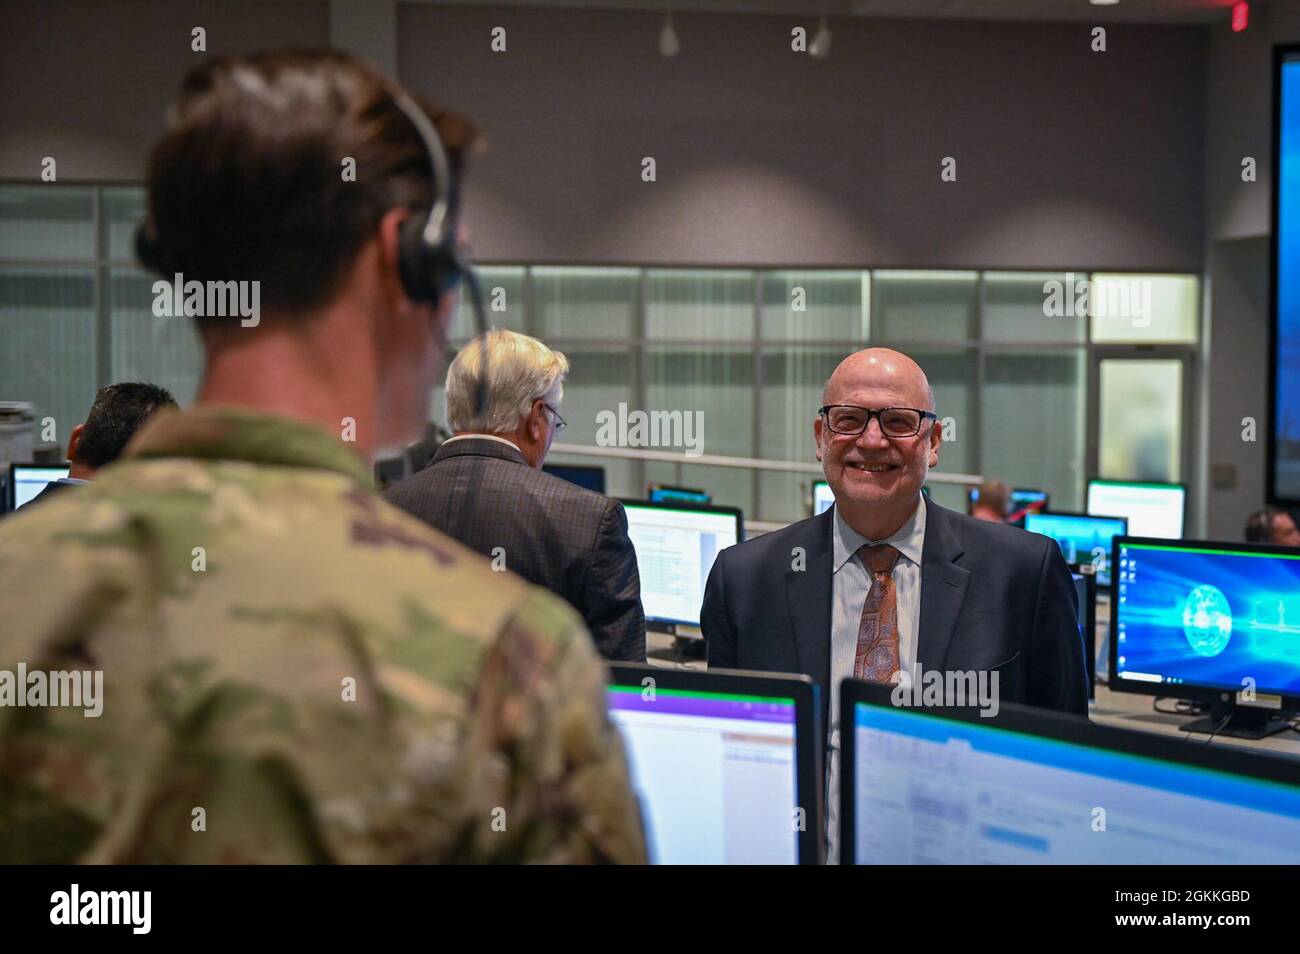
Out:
{"x": 1152, "y": 11}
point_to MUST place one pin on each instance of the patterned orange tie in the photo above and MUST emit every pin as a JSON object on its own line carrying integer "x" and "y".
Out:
{"x": 877, "y": 655}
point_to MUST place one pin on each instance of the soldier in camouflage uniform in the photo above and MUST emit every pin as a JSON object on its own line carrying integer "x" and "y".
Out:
{"x": 294, "y": 670}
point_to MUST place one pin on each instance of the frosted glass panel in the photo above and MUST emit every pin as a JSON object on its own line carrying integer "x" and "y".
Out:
{"x": 687, "y": 304}
{"x": 1030, "y": 307}
{"x": 47, "y": 343}
{"x": 792, "y": 391}
{"x": 1033, "y": 423}
{"x": 503, "y": 300}
{"x": 815, "y": 306}
{"x": 720, "y": 385}
{"x": 1141, "y": 419}
{"x": 47, "y": 222}
{"x": 124, "y": 210}
{"x": 597, "y": 381}
{"x": 952, "y": 375}
{"x": 587, "y": 303}
{"x": 161, "y": 351}
{"x": 925, "y": 306}
{"x": 1144, "y": 308}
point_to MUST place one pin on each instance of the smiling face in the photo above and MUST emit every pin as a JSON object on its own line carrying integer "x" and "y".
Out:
{"x": 877, "y": 479}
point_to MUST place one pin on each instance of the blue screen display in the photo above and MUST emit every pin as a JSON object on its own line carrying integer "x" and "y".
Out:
{"x": 1208, "y": 617}
{"x": 930, "y": 790}
{"x": 1082, "y": 539}
{"x": 1286, "y": 416}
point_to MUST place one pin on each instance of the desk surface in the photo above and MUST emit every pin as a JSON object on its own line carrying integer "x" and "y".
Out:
{"x": 1124, "y": 709}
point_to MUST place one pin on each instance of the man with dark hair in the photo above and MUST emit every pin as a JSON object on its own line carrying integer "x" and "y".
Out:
{"x": 321, "y": 676}
{"x": 118, "y": 412}
{"x": 1271, "y": 525}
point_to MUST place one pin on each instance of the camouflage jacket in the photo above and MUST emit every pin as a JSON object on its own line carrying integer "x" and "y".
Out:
{"x": 293, "y": 671}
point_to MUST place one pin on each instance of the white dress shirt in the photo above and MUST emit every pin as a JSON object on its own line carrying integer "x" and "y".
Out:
{"x": 849, "y": 586}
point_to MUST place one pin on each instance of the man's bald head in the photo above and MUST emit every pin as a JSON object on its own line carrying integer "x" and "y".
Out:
{"x": 880, "y": 368}
{"x": 877, "y": 478}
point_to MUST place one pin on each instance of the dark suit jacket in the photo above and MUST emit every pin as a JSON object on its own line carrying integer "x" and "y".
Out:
{"x": 556, "y": 534}
{"x": 992, "y": 597}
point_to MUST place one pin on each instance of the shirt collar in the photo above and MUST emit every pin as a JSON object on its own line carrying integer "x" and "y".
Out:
{"x": 909, "y": 539}
{"x": 242, "y": 434}
{"x": 483, "y": 437}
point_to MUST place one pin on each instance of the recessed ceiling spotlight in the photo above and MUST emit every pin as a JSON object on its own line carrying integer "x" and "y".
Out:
{"x": 669, "y": 45}
{"x": 820, "y": 48}
{"x": 1103, "y": 3}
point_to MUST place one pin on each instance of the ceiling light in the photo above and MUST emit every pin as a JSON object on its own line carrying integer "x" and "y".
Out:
{"x": 669, "y": 45}
{"x": 820, "y": 48}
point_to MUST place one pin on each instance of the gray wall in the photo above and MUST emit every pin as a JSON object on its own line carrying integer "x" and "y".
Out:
{"x": 1065, "y": 157}
{"x": 1239, "y": 123}
{"x": 87, "y": 81}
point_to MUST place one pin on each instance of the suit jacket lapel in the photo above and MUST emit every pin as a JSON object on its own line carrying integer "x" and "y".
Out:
{"x": 943, "y": 586}
{"x": 808, "y": 600}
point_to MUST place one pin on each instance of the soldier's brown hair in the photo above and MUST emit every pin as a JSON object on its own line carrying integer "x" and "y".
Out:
{"x": 248, "y": 182}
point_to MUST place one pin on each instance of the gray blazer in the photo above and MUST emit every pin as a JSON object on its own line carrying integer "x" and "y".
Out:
{"x": 553, "y": 533}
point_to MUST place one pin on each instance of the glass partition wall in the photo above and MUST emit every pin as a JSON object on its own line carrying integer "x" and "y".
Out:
{"x": 1041, "y": 378}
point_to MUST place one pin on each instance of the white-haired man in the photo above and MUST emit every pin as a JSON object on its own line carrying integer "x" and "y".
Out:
{"x": 485, "y": 487}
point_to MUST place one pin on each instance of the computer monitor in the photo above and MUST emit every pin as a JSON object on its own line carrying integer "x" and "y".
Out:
{"x": 1083, "y": 538}
{"x": 1198, "y": 620}
{"x": 823, "y": 499}
{"x": 663, "y": 493}
{"x": 28, "y": 480}
{"x": 727, "y": 765}
{"x": 1085, "y": 591}
{"x": 1024, "y": 501}
{"x": 942, "y": 785}
{"x": 1153, "y": 510}
{"x": 676, "y": 545}
{"x": 593, "y": 478}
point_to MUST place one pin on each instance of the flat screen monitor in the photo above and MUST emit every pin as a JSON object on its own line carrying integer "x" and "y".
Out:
{"x": 936, "y": 785}
{"x": 28, "y": 480}
{"x": 1283, "y": 473}
{"x": 1152, "y": 510}
{"x": 1024, "y": 501}
{"x": 676, "y": 545}
{"x": 726, "y": 765}
{"x": 823, "y": 499}
{"x": 592, "y": 478}
{"x": 1198, "y": 620}
{"x": 1081, "y": 537}
{"x": 662, "y": 493}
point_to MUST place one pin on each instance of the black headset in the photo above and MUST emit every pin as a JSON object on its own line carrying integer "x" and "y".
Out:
{"x": 430, "y": 260}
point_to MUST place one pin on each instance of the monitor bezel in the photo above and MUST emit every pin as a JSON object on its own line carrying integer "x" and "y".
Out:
{"x": 972, "y": 494}
{"x": 1062, "y": 727}
{"x": 1082, "y": 516}
{"x": 590, "y": 468}
{"x": 1191, "y": 691}
{"x": 672, "y": 488}
{"x": 1182, "y": 520}
{"x": 685, "y": 507}
{"x": 807, "y": 718}
{"x": 11, "y": 491}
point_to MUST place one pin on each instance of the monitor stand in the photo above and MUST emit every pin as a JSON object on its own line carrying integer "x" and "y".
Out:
{"x": 1244, "y": 722}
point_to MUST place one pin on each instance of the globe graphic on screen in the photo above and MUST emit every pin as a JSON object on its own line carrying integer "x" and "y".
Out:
{"x": 1207, "y": 620}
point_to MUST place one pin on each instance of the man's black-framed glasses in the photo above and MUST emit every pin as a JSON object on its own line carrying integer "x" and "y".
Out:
{"x": 560, "y": 423}
{"x": 894, "y": 421}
